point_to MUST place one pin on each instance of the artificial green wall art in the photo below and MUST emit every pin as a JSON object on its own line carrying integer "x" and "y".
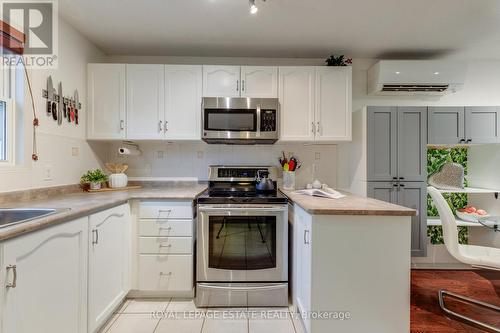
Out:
{"x": 436, "y": 158}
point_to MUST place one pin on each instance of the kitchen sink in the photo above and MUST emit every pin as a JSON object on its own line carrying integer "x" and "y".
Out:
{"x": 10, "y": 216}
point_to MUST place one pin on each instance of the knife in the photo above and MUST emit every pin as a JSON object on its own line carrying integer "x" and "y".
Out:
{"x": 50, "y": 95}
{"x": 77, "y": 103}
{"x": 54, "y": 104}
{"x": 61, "y": 104}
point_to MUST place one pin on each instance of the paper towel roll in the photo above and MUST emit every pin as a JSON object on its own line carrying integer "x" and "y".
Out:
{"x": 132, "y": 151}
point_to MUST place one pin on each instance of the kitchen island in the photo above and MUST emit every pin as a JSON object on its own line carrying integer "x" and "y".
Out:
{"x": 350, "y": 264}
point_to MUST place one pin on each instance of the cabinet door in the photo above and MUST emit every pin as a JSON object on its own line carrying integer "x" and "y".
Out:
{"x": 221, "y": 81}
{"x": 106, "y": 101}
{"x": 303, "y": 242}
{"x": 382, "y": 143}
{"x": 446, "y": 125}
{"x": 384, "y": 191}
{"x": 412, "y": 143}
{"x": 109, "y": 266}
{"x": 296, "y": 96}
{"x": 145, "y": 101}
{"x": 259, "y": 81}
{"x": 50, "y": 294}
{"x": 482, "y": 124}
{"x": 183, "y": 102}
{"x": 333, "y": 103}
{"x": 414, "y": 195}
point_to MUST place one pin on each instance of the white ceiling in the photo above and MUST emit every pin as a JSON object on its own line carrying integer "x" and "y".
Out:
{"x": 467, "y": 29}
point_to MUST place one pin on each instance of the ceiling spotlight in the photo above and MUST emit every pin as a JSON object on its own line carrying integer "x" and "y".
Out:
{"x": 253, "y": 8}
{"x": 436, "y": 73}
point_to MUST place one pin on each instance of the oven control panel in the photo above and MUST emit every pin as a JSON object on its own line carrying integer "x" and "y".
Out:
{"x": 268, "y": 120}
{"x": 236, "y": 173}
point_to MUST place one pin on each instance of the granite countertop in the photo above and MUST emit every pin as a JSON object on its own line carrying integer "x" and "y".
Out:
{"x": 83, "y": 204}
{"x": 351, "y": 204}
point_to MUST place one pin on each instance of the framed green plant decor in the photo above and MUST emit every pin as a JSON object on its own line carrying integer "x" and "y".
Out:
{"x": 436, "y": 158}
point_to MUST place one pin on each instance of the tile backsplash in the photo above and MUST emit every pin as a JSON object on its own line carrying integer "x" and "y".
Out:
{"x": 191, "y": 159}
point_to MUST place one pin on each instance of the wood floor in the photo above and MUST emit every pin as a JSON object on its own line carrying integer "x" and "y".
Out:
{"x": 427, "y": 316}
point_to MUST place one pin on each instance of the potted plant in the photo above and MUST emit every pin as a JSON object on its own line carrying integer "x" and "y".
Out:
{"x": 95, "y": 178}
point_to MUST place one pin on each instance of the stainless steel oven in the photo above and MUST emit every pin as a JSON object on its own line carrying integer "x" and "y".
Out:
{"x": 242, "y": 255}
{"x": 240, "y": 120}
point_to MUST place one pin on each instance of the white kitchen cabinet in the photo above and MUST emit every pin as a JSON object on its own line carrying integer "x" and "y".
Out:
{"x": 302, "y": 263}
{"x": 221, "y": 81}
{"x": 259, "y": 81}
{"x": 145, "y": 101}
{"x": 183, "y": 89}
{"x": 296, "y": 95}
{"x": 49, "y": 270}
{"x": 333, "y": 99}
{"x": 106, "y": 101}
{"x": 109, "y": 263}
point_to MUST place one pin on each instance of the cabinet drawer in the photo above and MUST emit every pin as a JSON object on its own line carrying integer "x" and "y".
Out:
{"x": 166, "y": 210}
{"x": 165, "y": 245}
{"x": 166, "y": 228}
{"x": 166, "y": 272}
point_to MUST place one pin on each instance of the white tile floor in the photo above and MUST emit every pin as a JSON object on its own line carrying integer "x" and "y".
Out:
{"x": 181, "y": 316}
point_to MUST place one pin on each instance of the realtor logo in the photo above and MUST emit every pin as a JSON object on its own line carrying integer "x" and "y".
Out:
{"x": 38, "y": 21}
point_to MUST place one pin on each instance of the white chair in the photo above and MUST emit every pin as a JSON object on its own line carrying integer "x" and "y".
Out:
{"x": 476, "y": 256}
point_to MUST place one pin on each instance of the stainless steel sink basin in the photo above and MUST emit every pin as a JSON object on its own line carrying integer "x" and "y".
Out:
{"x": 10, "y": 216}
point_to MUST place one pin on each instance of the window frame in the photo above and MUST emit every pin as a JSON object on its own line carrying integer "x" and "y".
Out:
{"x": 7, "y": 95}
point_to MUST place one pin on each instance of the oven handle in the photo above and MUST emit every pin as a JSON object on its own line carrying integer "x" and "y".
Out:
{"x": 271, "y": 287}
{"x": 239, "y": 209}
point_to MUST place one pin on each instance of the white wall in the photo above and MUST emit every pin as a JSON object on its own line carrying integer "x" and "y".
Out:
{"x": 56, "y": 143}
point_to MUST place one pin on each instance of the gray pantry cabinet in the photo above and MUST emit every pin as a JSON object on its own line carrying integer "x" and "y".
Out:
{"x": 397, "y": 163}
{"x": 455, "y": 125}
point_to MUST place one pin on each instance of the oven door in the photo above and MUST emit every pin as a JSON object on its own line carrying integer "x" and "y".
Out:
{"x": 241, "y": 243}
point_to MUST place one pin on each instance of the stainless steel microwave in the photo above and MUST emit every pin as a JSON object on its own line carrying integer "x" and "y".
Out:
{"x": 227, "y": 120}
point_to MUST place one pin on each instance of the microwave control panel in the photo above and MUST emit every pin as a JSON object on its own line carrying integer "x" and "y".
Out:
{"x": 268, "y": 121}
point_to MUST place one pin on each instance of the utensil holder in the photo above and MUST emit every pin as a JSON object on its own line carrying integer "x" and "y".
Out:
{"x": 118, "y": 180}
{"x": 289, "y": 180}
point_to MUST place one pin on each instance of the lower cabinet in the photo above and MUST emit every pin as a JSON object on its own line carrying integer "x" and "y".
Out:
{"x": 302, "y": 264}
{"x": 165, "y": 248}
{"x": 109, "y": 263}
{"x": 411, "y": 195}
{"x": 44, "y": 279}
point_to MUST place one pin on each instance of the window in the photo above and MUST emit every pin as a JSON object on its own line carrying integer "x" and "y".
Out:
{"x": 3, "y": 131}
{"x": 7, "y": 93}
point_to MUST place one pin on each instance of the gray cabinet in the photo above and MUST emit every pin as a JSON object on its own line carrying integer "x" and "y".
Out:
{"x": 396, "y": 143}
{"x": 446, "y": 125}
{"x": 482, "y": 124}
{"x": 454, "y": 125}
{"x": 408, "y": 194}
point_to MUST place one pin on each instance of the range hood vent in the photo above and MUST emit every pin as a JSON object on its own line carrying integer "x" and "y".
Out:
{"x": 415, "y": 88}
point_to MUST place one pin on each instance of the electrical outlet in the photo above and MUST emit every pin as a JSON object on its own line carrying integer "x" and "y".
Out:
{"x": 317, "y": 156}
{"x": 75, "y": 151}
{"x": 199, "y": 154}
{"x": 160, "y": 154}
{"x": 47, "y": 172}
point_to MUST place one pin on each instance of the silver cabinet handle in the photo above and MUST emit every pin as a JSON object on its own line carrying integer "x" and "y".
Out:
{"x": 165, "y": 274}
{"x": 313, "y": 129}
{"x": 167, "y": 245}
{"x": 95, "y": 239}
{"x": 13, "y": 284}
{"x": 165, "y": 228}
{"x": 306, "y": 240}
{"x": 166, "y": 126}
{"x": 122, "y": 125}
{"x": 317, "y": 127}
{"x": 237, "y": 85}
{"x": 242, "y": 85}
{"x": 160, "y": 127}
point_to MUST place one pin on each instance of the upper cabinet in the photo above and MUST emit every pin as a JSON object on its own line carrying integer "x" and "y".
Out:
{"x": 236, "y": 81}
{"x": 221, "y": 81}
{"x": 333, "y": 99}
{"x": 183, "y": 85}
{"x": 315, "y": 103}
{"x": 296, "y": 95}
{"x": 454, "y": 125}
{"x": 259, "y": 81}
{"x": 106, "y": 101}
{"x": 145, "y": 101}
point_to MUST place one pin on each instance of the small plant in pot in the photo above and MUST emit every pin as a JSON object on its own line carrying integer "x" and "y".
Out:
{"x": 94, "y": 178}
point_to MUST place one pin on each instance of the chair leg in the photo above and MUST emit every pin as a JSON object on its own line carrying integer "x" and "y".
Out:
{"x": 443, "y": 293}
